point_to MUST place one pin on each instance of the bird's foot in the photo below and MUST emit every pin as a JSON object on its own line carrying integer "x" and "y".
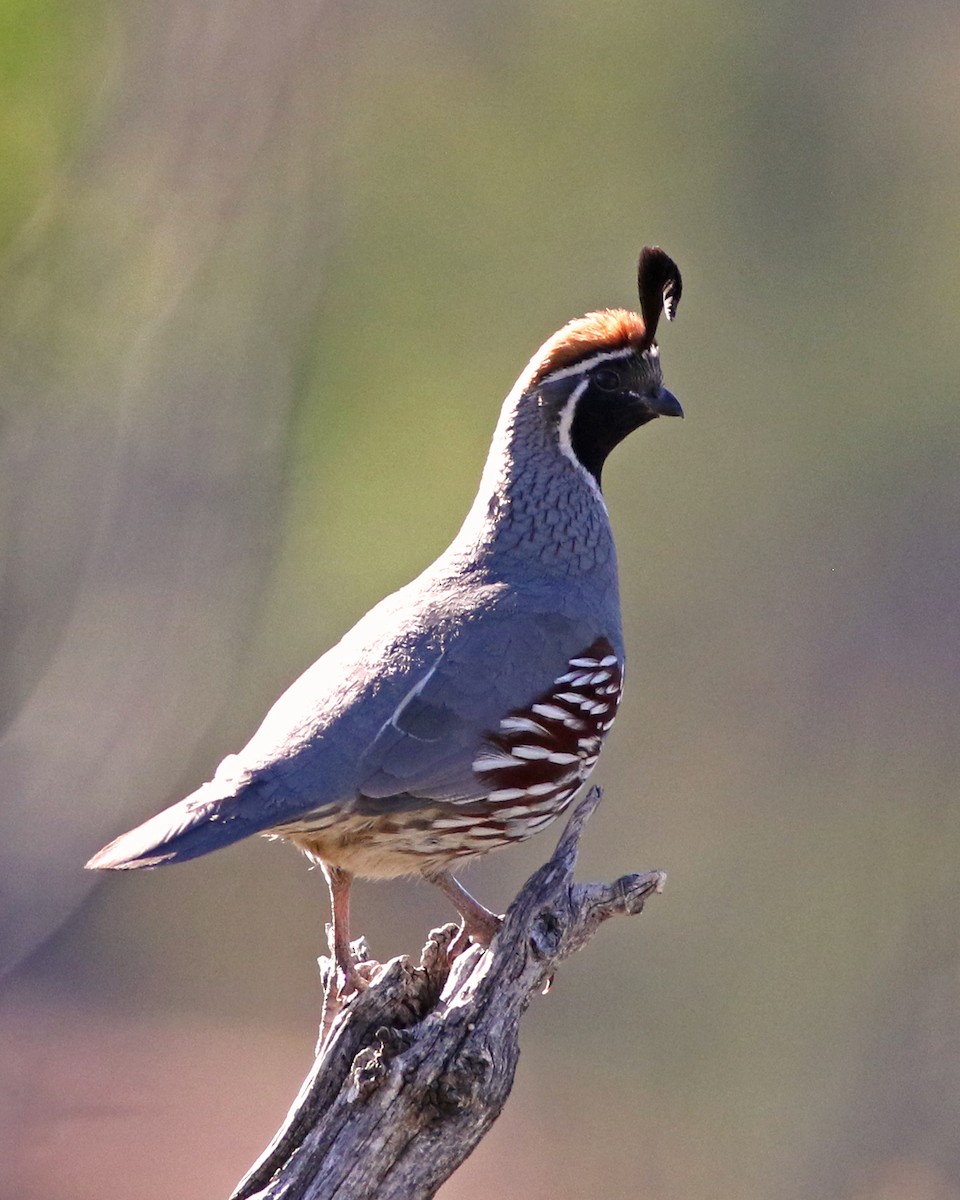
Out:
{"x": 352, "y": 980}
{"x": 359, "y": 976}
{"x": 343, "y": 981}
{"x": 340, "y": 986}
{"x": 480, "y": 925}
{"x": 349, "y": 969}
{"x": 480, "y": 930}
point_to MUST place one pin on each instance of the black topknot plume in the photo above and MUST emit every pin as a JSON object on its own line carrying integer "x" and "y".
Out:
{"x": 660, "y": 285}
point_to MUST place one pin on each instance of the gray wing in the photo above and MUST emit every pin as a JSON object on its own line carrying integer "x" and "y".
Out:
{"x": 393, "y": 715}
{"x": 426, "y": 747}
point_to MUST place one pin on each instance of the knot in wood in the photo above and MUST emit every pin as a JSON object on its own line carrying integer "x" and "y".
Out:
{"x": 371, "y": 1064}
{"x": 546, "y": 933}
{"x": 460, "y": 1085}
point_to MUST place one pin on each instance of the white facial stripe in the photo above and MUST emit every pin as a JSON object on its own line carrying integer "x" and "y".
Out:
{"x": 566, "y": 445}
{"x": 587, "y": 364}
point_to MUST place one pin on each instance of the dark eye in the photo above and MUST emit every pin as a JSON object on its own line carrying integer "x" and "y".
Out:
{"x": 606, "y": 379}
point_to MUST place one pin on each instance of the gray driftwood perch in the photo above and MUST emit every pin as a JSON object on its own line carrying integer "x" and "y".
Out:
{"x": 415, "y": 1070}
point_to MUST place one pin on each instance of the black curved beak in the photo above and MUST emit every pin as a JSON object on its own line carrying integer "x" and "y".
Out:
{"x": 665, "y": 404}
{"x": 660, "y": 403}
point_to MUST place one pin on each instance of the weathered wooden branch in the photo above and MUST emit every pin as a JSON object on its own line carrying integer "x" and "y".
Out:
{"x": 415, "y": 1069}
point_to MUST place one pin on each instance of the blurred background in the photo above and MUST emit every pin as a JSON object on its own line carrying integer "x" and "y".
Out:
{"x": 267, "y": 269}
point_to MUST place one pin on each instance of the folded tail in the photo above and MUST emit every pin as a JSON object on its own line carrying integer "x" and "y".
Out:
{"x": 215, "y": 815}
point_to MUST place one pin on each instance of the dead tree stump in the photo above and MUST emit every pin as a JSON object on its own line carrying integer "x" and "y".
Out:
{"x": 415, "y": 1069}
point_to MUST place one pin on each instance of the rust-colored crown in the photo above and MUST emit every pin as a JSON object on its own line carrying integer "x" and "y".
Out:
{"x": 659, "y": 284}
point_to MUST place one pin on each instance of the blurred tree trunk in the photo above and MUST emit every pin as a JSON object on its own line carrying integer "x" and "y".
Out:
{"x": 153, "y": 321}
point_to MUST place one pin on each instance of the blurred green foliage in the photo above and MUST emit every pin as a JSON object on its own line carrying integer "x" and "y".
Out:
{"x": 54, "y": 60}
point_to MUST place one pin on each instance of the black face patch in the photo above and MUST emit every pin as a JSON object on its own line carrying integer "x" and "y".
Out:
{"x": 601, "y": 421}
{"x": 616, "y": 401}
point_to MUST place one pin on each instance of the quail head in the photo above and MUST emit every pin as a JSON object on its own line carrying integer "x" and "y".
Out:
{"x": 463, "y": 712}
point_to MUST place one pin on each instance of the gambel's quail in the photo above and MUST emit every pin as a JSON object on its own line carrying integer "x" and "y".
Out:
{"x": 463, "y": 712}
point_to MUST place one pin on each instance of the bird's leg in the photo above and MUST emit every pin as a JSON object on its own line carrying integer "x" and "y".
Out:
{"x": 479, "y": 923}
{"x": 338, "y": 881}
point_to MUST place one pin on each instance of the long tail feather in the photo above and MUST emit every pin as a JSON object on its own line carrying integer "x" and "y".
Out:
{"x": 213, "y": 816}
